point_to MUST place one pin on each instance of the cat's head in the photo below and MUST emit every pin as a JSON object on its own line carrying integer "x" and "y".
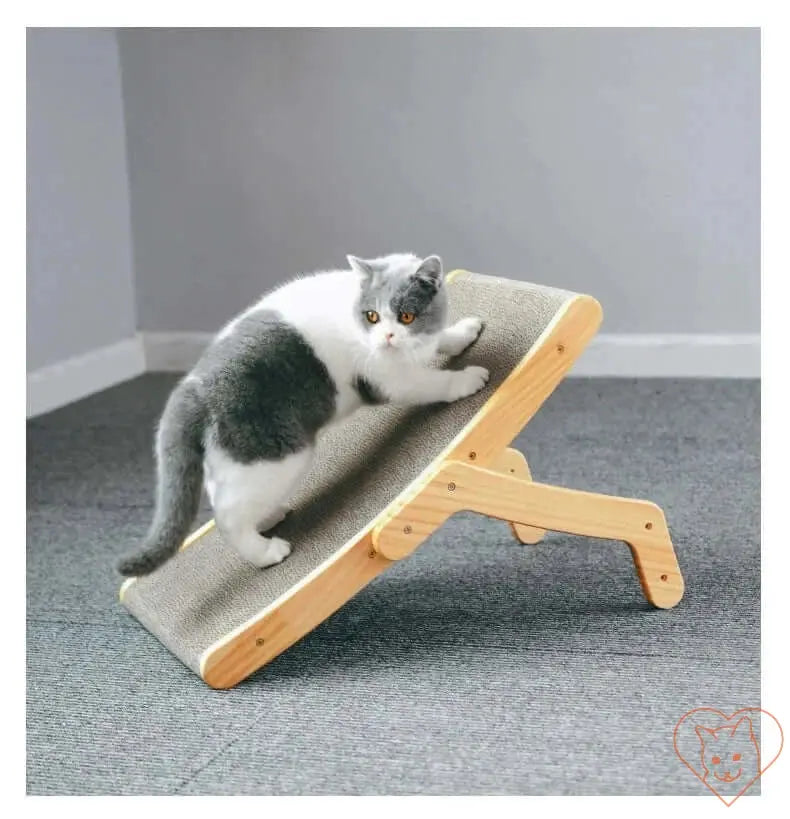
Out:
{"x": 730, "y": 752}
{"x": 402, "y": 305}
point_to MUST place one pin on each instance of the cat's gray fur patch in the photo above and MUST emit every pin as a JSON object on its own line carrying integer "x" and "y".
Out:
{"x": 418, "y": 290}
{"x": 260, "y": 393}
{"x": 266, "y": 392}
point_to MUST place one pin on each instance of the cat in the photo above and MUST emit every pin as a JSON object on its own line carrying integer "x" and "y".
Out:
{"x": 245, "y": 419}
{"x": 731, "y": 754}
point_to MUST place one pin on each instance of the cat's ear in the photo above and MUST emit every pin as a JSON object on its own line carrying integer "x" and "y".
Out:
{"x": 704, "y": 734}
{"x": 360, "y": 266}
{"x": 742, "y": 728}
{"x": 430, "y": 270}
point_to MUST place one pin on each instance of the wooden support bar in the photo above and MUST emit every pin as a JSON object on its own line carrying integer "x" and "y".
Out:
{"x": 513, "y": 462}
{"x": 457, "y": 486}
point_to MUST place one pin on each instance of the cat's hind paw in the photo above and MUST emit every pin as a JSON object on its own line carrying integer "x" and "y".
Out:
{"x": 272, "y": 550}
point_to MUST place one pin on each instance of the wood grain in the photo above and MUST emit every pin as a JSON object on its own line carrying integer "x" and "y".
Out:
{"x": 459, "y": 486}
{"x": 513, "y": 462}
{"x": 306, "y": 605}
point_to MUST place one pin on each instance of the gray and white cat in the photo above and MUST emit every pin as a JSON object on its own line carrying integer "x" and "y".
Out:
{"x": 305, "y": 356}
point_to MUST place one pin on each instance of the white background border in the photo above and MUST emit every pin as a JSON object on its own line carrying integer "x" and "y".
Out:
{"x": 776, "y": 138}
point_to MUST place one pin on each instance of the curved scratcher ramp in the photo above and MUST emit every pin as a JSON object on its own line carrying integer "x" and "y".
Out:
{"x": 224, "y": 618}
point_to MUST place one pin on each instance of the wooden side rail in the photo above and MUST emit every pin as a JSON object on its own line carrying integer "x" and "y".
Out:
{"x": 456, "y": 486}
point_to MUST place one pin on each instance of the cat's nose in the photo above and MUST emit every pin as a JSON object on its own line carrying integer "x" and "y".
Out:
{"x": 389, "y": 337}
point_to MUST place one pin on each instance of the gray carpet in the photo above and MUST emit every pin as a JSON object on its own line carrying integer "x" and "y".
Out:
{"x": 477, "y": 666}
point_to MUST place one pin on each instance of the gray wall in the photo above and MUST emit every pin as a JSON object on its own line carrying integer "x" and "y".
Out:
{"x": 620, "y": 162}
{"x": 80, "y": 293}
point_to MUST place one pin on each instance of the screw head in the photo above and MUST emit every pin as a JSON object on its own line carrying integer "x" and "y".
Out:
{"x": 407, "y": 529}
{"x": 665, "y": 577}
{"x": 372, "y": 553}
{"x": 472, "y": 456}
{"x": 560, "y": 348}
{"x": 451, "y": 486}
{"x": 648, "y": 525}
{"x": 259, "y": 641}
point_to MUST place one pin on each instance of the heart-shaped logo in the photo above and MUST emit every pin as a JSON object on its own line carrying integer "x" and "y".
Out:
{"x": 728, "y": 754}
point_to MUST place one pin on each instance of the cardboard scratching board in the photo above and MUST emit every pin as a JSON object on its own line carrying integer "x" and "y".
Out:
{"x": 386, "y": 479}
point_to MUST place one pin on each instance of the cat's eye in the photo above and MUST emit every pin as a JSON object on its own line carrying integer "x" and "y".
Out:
{"x": 372, "y": 316}
{"x": 715, "y": 760}
{"x": 736, "y": 757}
{"x": 406, "y": 318}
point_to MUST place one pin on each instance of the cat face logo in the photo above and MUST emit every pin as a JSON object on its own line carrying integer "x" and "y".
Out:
{"x": 724, "y": 751}
{"x": 729, "y": 751}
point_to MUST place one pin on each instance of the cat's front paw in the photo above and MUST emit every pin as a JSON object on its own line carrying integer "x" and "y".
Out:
{"x": 458, "y": 337}
{"x": 468, "y": 330}
{"x": 468, "y": 381}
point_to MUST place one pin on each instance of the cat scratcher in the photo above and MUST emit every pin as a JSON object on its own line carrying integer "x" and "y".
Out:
{"x": 386, "y": 479}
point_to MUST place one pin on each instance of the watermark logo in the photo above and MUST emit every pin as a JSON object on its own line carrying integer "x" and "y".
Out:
{"x": 728, "y": 753}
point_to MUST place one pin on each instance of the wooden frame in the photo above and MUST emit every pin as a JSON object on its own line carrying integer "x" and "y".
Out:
{"x": 456, "y": 486}
{"x": 477, "y": 472}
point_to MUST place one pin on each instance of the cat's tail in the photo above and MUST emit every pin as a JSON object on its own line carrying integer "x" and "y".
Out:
{"x": 179, "y": 454}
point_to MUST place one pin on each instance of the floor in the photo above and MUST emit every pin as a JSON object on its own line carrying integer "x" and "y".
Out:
{"x": 477, "y": 666}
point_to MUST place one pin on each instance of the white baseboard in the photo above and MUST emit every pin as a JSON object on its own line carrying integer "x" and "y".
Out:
{"x": 624, "y": 356}
{"x": 671, "y": 356}
{"x": 173, "y": 352}
{"x": 58, "y": 384}
{"x": 620, "y": 356}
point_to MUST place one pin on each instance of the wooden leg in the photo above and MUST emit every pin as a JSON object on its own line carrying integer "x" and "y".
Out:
{"x": 513, "y": 462}
{"x": 456, "y": 486}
